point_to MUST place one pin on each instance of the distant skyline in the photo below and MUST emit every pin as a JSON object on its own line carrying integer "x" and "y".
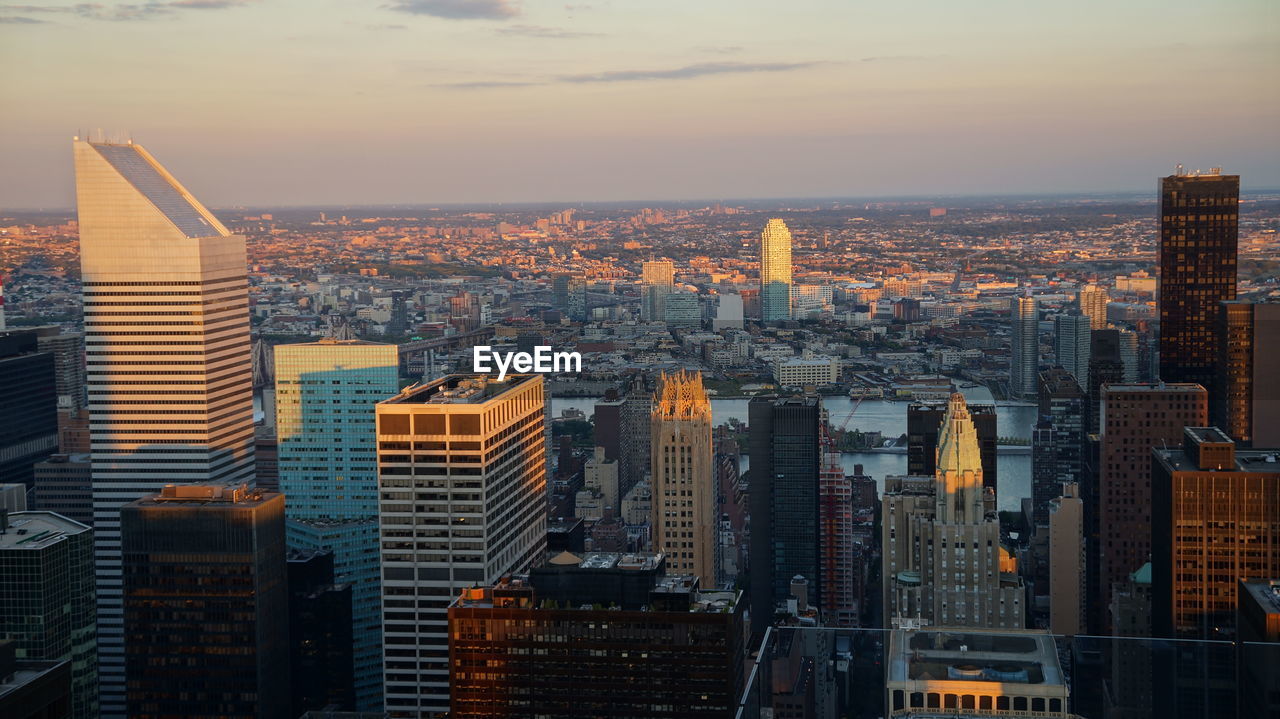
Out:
{"x": 324, "y": 102}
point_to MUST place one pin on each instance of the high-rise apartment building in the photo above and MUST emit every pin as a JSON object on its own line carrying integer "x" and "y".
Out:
{"x": 657, "y": 279}
{"x": 1246, "y": 397}
{"x": 1199, "y": 224}
{"x": 28, "y": 406}
{"x": 943, "y": 562}
{"x": 327, "y": 459}
{"x": 634, "y": 451}
{"x": 1215, "y": 521}
{"x": 1092, "y": 303}
{"x": 839, "y": 579}
{"x": 206, "y": 602}
{"x": 1071, "y": 345}
{"x": 775, "y": 272}
{"x": 1135, "y": 420}
{"x": 784, "y": 486}
{"x": 924, "y": 423}
{"x": 1106, "y": 367}
{"x": 166, "y": 326}
{"x": 1066, "y": 561}
{"x": 601, "y": 635}
{"x": 1058, "y": 452}
{"x": 684, "y": 492}
{"x": 47, "y": 605}
{"x": 463, "y": 482}
{"x": 1024, "y": 343}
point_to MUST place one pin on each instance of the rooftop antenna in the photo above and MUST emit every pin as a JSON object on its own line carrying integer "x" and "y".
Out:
{"x": 1178, "y": 171}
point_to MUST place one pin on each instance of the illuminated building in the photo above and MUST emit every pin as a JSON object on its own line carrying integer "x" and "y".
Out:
{"x": 325, "y": 397}
{"x": 463, "y": 482}
{"x": 943, "y": 562}
{"x": 657, "y": 278}
{"x": 1092, "y": 303}
{"x": 1071, "y": 345}
{"x": 1024, "y": 359}
{"x": 924, "y": 422}
{"x": 775, "y": 272}
{"x": 684, "y": 493}
{"x": 169, "y": 371}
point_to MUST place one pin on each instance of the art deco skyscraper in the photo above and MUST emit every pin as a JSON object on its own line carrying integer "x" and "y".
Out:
{"x": 775, "y": 272}
{"x": 463, "y": 490}
{"x": 1025, "y": 346}
{"x": 684, "y": 493}
{"x": 167, "y": 339}
{"x": 325, "y": 397}
{"x": 1199, "y": 223}
{"x": 657, "y": 278}
{"x": 942, "y": 555}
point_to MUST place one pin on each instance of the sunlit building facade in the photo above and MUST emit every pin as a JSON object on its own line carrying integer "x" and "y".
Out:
{"x": 657, "y": 279}
{"x": 775, "y": 272}
{"x": 684, "y": 494}
{"x": 463, "y": 481}
{"x": 1024, "y": 359}
{"x": 169, "y": 375}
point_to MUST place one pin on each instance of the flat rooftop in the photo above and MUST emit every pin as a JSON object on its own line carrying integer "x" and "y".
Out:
{"x": 1257, "y": 461}
{"x": 461, "y": 389}
{"x": 1008, "y": 657}
{"x": 213, "y": 495}
{"x": 37, "y": 530}
{"x": 1266, "y": 593}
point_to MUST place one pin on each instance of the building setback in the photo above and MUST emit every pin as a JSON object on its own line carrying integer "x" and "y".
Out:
{"x": 601, "y": 635}
{"x": 206, "y": 602}
{"x": 463, "y": 492}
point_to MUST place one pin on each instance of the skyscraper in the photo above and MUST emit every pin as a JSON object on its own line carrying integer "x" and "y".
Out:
{"x": 1199, "y": 218}
{"x": 943, "y": 562}
{"x": 1025, "y": 347}
{"x": 1246, "y": 397}
{"x": 684, "y": 492}
{"x": 775, "y": 272}
{"x": 657, "y": 278}
{"x": 1092, "y": 303}
{"x": 1066, "y": 561}
{"x": 1062, "y": 410}
{"x": 463, "y": 480}
{"x": 167, "y": 339}
{"x": 1215, "y": 521}
{"x": 1136, "y": 419}
{"x": 1071, "y": 345}
{"x": 206, "y": 602}
{"x": 327, "y": 454}
{"x": 924, "y": 424}
{"x": 47, "y": 602}
{"x": 784, "y": 486}
{"x": 28, "y": 406}
{"x": 321, "y": 662}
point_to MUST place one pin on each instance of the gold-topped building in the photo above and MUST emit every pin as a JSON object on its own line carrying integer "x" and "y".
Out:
{"x": 775, "y": 272}
{"x": 684, "y": 499}
{"x": 943, "y": 563}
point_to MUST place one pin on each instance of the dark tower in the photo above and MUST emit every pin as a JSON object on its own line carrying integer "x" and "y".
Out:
{"x": 1199, "y": 221}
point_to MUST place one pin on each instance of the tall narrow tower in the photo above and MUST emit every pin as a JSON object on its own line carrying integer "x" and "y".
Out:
{"x": 1025, "y": 346}
{"x": 684, "y": 497}
{"x": 775, "y": 272}
{"x": 1092, "y": 301}
{"x": 657, "y": 280}
{"x": 1199, "y": 226}
{"x": 169, "y": 376}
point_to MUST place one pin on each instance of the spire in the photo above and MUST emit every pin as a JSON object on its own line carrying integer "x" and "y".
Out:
{"x": 959, "y": 473}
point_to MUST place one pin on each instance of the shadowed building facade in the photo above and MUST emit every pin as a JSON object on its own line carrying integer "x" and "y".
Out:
{"x": 169, "y": 375}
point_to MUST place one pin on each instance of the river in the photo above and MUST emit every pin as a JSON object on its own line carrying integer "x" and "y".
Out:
{"x": 889, "y": 418}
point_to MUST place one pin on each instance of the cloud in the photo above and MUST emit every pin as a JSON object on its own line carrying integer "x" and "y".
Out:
{"x": 722, "y": 49}
{"x": 901, "y": 58}
{"x": 128, "y": 11}
{"x": 487, "y": 84}
{"x": 543, "y": 31}
{"x": 688, "y": 71}
{"x": 386, "y": 27}
{"x": 21, "y": 21}
{"x": 459, "y": 9}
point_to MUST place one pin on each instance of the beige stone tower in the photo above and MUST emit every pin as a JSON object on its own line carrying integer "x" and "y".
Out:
{"x": 684, "y": 498}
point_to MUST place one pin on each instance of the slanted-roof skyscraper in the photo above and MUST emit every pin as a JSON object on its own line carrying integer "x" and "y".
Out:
{"x": 1199, "y": 225}
{"x": 775, "y": 271}
{"x": 166, "y": 325}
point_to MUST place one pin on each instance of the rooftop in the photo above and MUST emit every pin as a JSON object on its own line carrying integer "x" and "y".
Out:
{"x": 1018, "y": 657}
{"x": 1264, "y": 461}
{"x": 161, "y": 190}
{"x": 460, "y": 389}
{"x": 207, "y": 494}
{"x": 1266, "y": 592}
{"x": 37, "y": 530}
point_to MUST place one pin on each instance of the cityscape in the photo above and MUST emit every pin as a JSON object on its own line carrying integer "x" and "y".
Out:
{"x": 802, "y": 450}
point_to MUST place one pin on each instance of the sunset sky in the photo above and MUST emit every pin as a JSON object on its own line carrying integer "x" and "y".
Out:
{"x": 299, "y": 102}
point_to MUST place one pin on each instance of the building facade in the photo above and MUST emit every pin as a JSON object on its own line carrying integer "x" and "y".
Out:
{"x": 1199, "y": 227}
{"x": 463, "y": 482}
{"x": 775, "y": 272}
{"x": 327, "y": 461}
{"x": 206, "y": 602}
{"x": 166, "y": 328}
{"x": 657, "y": 280}
{"x": 1071, "y": 345}
{"x": 1246, "y": 397}
{"x": 683, "y": 483}
{"x": 28, "y": 406}
{"x": 1024, "y": 344}
{"x": 924, "y": 424}
{"x": 943, "y": 562}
